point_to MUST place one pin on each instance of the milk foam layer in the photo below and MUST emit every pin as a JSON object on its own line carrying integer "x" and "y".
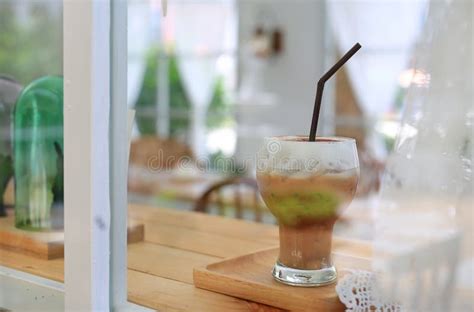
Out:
{"x": 293, "y": 156}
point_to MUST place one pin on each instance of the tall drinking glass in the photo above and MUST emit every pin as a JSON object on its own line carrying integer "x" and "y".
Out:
{"x": 306, "y": 185}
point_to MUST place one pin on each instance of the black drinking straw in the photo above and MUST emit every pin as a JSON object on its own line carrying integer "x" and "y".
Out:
{"x": 320, "y": 88}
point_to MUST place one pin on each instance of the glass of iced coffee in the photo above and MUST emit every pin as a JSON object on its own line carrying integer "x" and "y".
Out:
{"x": 306, "y": 185}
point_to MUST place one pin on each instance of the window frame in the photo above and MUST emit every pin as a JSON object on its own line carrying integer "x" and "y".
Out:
{"x": 95, "y": 160}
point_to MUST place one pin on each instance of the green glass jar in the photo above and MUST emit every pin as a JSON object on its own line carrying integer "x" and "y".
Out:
{"x": 38, "y": 155}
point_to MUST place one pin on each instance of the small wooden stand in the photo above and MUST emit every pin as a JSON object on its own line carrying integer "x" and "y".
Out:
{"x": 47, "y": 245}
{"x": 249, "y": 277}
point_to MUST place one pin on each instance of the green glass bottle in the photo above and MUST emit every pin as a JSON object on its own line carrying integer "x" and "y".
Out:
{"x": 38, "y": 155}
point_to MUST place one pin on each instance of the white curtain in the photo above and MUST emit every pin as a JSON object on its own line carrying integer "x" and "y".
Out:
{"x": 424, "y": 219}
{"x": 202, "y": 31}
{"x": 387, "y": 31}
{"x": 140, "y": 37}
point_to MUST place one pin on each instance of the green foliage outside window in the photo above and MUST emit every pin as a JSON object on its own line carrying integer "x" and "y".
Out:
{"x": 219, "y": 113}
{"x": 30, "y": 47}
{"x": 147, "y": 98}
{"x": 180, "y": 105}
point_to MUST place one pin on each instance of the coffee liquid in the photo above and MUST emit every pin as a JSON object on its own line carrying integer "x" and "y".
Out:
{"x": 306, "y": 208}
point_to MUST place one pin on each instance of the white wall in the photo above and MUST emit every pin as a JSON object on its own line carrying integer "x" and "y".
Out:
{"x": 292, "y": 75}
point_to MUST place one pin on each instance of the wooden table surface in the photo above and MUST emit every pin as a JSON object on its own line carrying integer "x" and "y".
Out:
{"x": 160, "y": 268}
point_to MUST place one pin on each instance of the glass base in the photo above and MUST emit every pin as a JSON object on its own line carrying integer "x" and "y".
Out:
{"x": 304, "y": 278}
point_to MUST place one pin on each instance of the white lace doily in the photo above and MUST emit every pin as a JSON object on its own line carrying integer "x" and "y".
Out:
{"x": 357, "y": 290}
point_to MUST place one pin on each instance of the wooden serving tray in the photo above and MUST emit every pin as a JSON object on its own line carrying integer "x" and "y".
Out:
{"x": 249, "y": 277}
{"x": 47, "y": 245}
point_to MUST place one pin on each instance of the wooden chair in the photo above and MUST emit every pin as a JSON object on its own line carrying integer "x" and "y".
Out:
{"x": 160, "y": 153}
{"x": 238, "y": 202}
{"x": 151, "y": 154}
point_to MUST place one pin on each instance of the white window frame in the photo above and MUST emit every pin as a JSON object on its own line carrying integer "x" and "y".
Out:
{"x": 86, "y": 35}
{"x": 95, "y": 138}
{"x": 118, "y": 155}
{"x": 95, "y": 162}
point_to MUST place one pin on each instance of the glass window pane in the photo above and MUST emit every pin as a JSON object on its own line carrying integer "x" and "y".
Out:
{"x": 31, "y": 138}
{"x": 211, "y": 80}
